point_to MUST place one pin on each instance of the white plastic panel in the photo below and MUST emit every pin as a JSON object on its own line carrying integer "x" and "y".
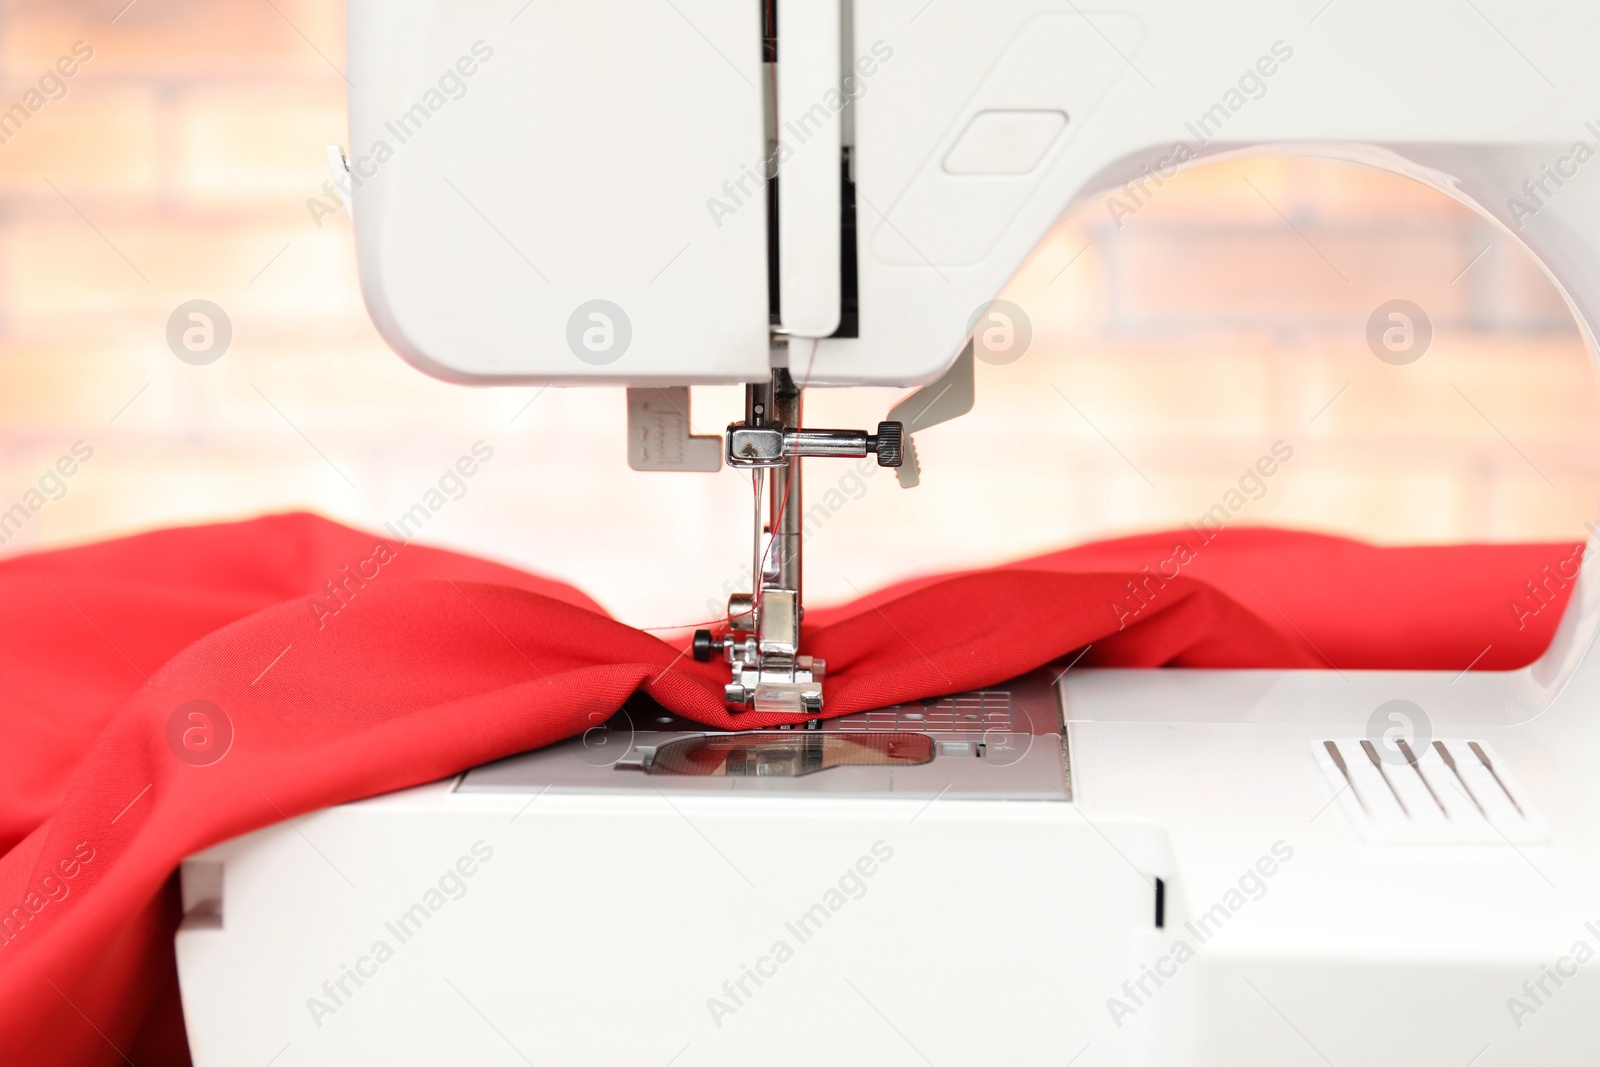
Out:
{"x": 1009, "y": 141}
{"x": 971, "y": 910}
{"x": 1450, "y": 794}
{"x": 562, "y": 192}
{"x": 620, "y": 152}
{"x": 809, "y": 121}
{"x": 1414, "y": 77}
{"x": 1054, "y": 63}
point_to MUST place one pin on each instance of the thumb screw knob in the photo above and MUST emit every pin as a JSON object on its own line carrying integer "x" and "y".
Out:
{"x": 889, "y": 444}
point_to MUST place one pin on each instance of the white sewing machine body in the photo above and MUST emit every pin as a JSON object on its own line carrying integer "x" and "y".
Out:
{"x": 602, "y": 926}
{"x": 970, "y": 130}
{"x": 984, "y": 908}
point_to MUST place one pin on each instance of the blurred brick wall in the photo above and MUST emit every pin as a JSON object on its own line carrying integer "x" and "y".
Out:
{"x": 1167, "y": 357}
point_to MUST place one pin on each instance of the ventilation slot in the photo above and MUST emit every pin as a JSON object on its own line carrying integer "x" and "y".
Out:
{"x": 1439, "y": 791}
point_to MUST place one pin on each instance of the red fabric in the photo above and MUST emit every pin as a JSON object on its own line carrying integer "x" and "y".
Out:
{"x": 432, "y": 662}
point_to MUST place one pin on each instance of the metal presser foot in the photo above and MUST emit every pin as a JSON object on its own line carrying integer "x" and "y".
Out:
{"x": 762, "y": 645}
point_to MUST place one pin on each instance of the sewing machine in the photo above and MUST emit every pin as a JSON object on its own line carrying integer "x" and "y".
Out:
{"x": 1090, "y": 867}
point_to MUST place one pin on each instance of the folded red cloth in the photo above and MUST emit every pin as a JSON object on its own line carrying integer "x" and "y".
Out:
{"x": 172, "y": 690}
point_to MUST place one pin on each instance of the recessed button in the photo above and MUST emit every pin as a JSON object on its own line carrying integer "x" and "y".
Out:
{"x": 1004, "y": 142}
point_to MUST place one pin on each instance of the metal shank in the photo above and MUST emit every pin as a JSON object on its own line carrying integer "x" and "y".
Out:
{"x": 763, "y": 641}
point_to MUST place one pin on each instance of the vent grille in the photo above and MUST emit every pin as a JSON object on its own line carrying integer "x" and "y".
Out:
{"x": 1438, "y": 791}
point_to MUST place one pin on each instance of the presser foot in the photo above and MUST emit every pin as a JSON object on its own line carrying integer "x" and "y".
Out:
{"x": 778, "y": 692}
{"x": 768, "y": 682}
